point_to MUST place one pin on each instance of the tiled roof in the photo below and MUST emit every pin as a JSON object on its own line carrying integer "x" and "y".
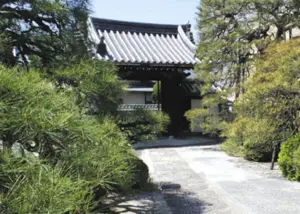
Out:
{"x": 138, "y": 43}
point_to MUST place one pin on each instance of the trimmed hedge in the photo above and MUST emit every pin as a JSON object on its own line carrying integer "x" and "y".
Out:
{"x": 250, "y": 138}
{"x": 289, "y": 158}
{"x": 142, "y": 125}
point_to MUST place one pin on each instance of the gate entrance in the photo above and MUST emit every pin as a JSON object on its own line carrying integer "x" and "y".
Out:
{"x": 146, "y": 52}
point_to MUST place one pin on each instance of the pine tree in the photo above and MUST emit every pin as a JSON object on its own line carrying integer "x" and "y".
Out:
{"x": 232, "y": 34}
{"x": 44, "y": 31}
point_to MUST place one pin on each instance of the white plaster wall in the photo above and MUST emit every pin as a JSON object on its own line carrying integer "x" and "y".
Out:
{"x": 196, "y": 104}
{"x": 295, "y": 32}
{"x": 134, "y": 98}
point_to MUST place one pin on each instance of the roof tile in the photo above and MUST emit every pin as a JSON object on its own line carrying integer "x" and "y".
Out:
{"x": 134, "y": 43}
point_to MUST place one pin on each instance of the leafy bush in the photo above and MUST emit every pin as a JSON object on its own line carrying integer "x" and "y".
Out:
{"x": 270, "y": 103}
{"x": 46, "y": 122}
{"x": 211, "y": 118}
{"x": 142, "y": 125}
{"x": 289, "y": 158}
{"x": 156, "y": 94}
{"x": 34, "y": 114}
{"x": 55, "y": 119}
{"x": 251, "y": 138}
{"x": 233, "y": 132}
{"x": 101, "y": 154}
{"x": 140, "y": 172}
{"x": 29, "y": 186}
{"x": 95, "y": 84}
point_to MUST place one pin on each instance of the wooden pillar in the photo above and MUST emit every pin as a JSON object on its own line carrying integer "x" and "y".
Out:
{"x": 171, "y": 104}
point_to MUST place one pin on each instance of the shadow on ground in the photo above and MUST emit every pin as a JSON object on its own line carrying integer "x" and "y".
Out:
{"x": 171, "y": 199}
{"x": 139, "y": 204}
{"x": 174, "y": 142}
{"x": 185, "y": 203}
{"x": 182, "y": 202}
{"x": 212, "y": 149}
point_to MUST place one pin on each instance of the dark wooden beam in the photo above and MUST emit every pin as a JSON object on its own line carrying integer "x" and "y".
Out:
{"x": 144, "y": 72}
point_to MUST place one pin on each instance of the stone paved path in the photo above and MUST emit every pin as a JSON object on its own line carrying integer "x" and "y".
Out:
{"x": 203, "y": 179}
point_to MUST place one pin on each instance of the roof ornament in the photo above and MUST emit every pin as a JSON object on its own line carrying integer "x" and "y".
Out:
{"x": 102, "y": 49}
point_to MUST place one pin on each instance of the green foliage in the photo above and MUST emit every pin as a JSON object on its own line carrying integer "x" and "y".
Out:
{"x": 258, "y": 138}
{"x": 143, "y": 125}
{"x": 29, "y": 186}
{"x": 44, "y": 121}
{"x": 251, "y": 138}
{"x": 270, "y": 106}
{"x": 6, "y": 54}
{"x": 95, "y": 83}
{"x": 234, "y": 134}
{"x": 208, "y": 118}
{"x": 156, "y": 94}
{"x": 34, "y": 114}
{"x": 46, "y": 31}
{"x": 232, "y": 148}
{"x": 289, "y": 158}
{"x": 101, "y": 154}
{"x": 232, "y": 34}
{"x": 140, "y": 172}
{"x": 60, "y": 146}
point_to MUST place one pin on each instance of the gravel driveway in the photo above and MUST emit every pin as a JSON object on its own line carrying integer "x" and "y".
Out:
{"x": 203, "y": 179}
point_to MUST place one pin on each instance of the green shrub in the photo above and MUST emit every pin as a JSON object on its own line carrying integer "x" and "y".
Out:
{"x": 258, "y": 140}
{"x": 258, "y": 151}
{"x": 251, "y": 138}
{"x": 29, "y": 186}
{"x": 289, "y": 158}
{"x": 39, "y": 118}
{"x": 270, "y": 102}
{"x": 95, "y": 84}
{"x": 156, "y": 94}
{"x": 34, "y": 114}
{"x": 206, "y": 119}
{"x": 48, "y": 122}
{"x": 101, "y": 154}
{"x": 233, "y": 132}
{"x": 232, "y": 148}
{"x": 142, "y": 125}
{"x": 140, "y": 172}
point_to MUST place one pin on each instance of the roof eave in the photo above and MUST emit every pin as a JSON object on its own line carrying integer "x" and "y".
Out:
{"x": 163, "y": 27}
{"x": 155, "y": 65}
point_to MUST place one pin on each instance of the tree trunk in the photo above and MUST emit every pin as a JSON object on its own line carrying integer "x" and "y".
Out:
{"x": 273, "y": 156}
